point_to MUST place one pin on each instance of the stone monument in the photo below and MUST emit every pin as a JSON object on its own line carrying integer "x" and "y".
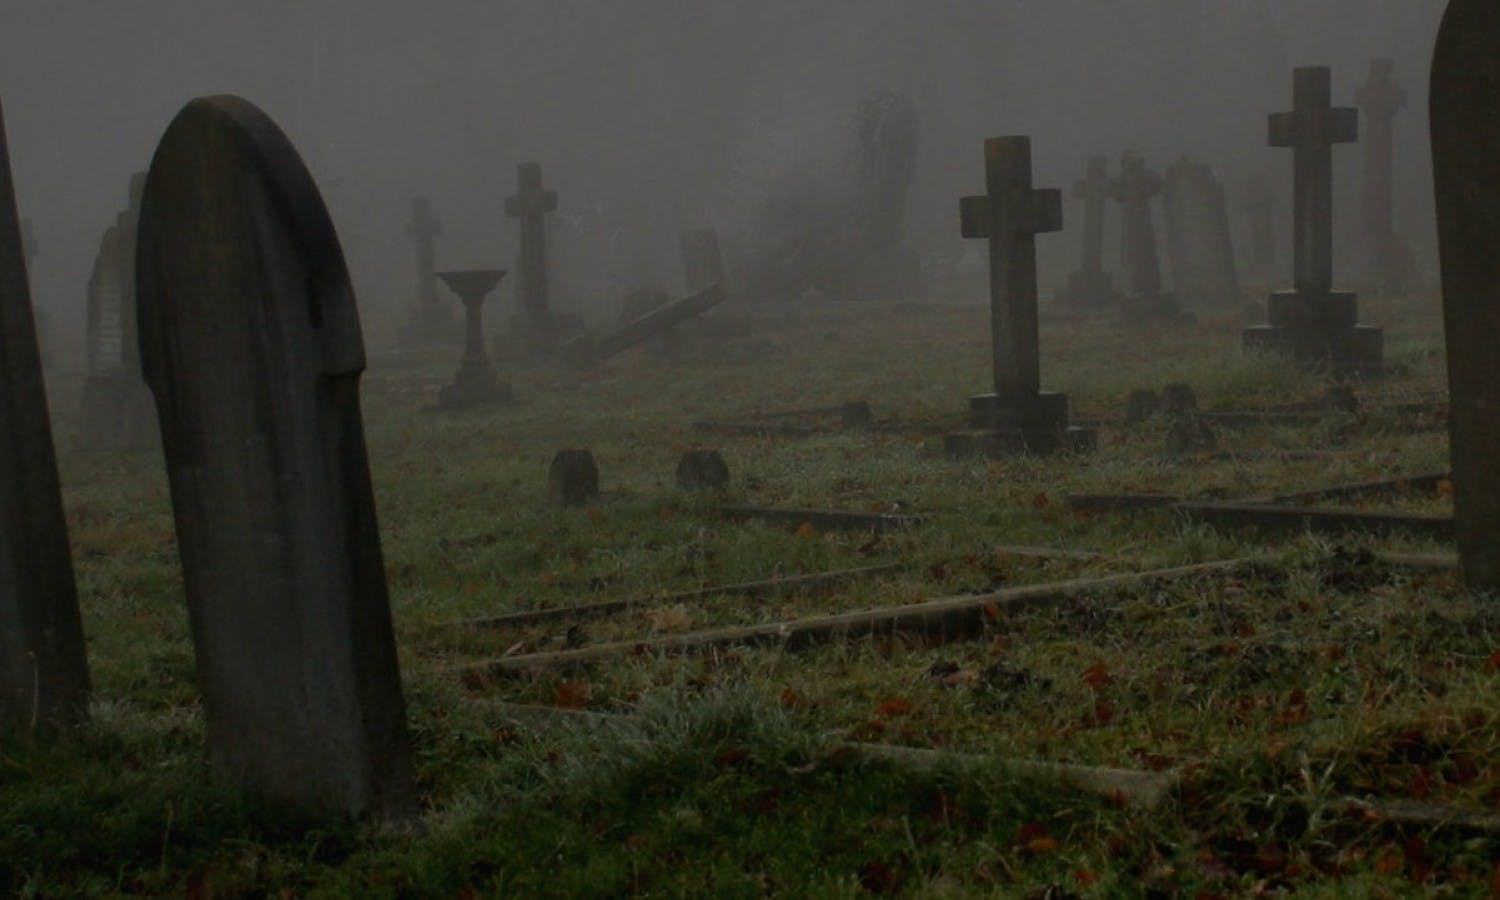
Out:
{"x": 1313, "y": 323}
{"x": 1134, "y": 188}
{"x": 1204, "y": 273}
{"x": 251, "y": 342}
{"x": 476, "y": 383}
{"x": 1091, "y": 289}
{"x": 1018, "y": 417}
{"x": 44, "y": 676}
{"x": 1388, "y": 258}
{"x": 538, "y": 329}
{"x": 431, "y": 318}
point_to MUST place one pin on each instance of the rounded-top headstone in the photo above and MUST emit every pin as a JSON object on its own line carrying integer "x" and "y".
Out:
{"x": 1179, "y": 400}
{"x": 702, "y": 470}
{"x": 573, "y": 479}
{"x": 250, "y": 341}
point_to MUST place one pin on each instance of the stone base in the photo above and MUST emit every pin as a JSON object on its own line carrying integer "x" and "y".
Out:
{"x": 1006, "y": 427}
{"x": 474, "y": 385}
{"x": 1319, "y": 329}
{"x": 1089, "y": 292}
{"x": 538, "y": 335}
{"x": 1155, "y": 309}
{"x": 117, "y": 413}
{"x": 431, "y": 327}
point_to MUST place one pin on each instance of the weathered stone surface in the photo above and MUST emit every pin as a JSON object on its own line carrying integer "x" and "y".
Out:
{"x": 702, "y": 470}
{"x": 431, "y": 318}
{"x": 538, "y": 328}
{"x": 1313, "y": 324}
{"x": 1091, "y": 288}
{"x": 1134, "y": 189}
{"x": 1388, "y": 259}
{"x": 476, "y": 383}
{"x": 1465, "y": 132}
{"x": 251, "y": 342}
{"x": 1017, "y": 417}
{"x": 44, "y": 677}
{"x": 1204, "y": 272}
{"x": 573, "y": 479}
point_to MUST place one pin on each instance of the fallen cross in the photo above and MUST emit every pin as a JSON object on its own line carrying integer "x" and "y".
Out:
{"x": 827, "y": 519}
{"x": 586, "y": 350}
{"x": 947, "y": 618}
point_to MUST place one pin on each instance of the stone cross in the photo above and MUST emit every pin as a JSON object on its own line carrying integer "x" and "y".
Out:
{"x": 1259, "y": 202}
{"x": 251, "y": 342}
{"x": 1380, "y": 99}
{"x": 1311, "y": 130}
{"x": 476, "y": 382}
{"x": 44, "y": 677}
{"x": 1134, "y": 189}
{"x": 1010, "y": 215}
{"x": 424, "y": 230}
{"x": 530, "y": 205}
{"x": 1465, "y": 132}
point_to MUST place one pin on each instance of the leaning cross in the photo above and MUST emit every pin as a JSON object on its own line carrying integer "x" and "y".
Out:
{"x": 530, "y": 204}
{"x": 1311, "y": 129}
{"x": 1010, "y": 216}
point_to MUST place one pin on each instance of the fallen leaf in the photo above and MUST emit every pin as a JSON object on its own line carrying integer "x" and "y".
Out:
{"x": 1097, "y": 676}
{"x": 1041, "y": 501}
{"x": 791, "y": 699}
{"x": 894, "y": 706}
{"x": 807, "y": 530}
{"x": 571, "y": 695}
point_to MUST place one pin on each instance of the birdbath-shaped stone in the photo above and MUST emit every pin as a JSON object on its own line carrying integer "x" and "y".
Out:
{"x": 476, "y": 382}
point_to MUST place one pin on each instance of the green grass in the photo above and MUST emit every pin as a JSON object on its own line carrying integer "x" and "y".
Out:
{"x": 1312, "y": 677}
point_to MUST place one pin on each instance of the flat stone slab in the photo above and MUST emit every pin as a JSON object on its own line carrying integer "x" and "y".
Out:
{"x": 826, "y": 519}
{"x": 1318, "y": 520}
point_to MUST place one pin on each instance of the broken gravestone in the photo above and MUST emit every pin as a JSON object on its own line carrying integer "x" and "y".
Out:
{"x": 251, "y": 342}
{"x": 476, "y": 383}
{"x": 1465, "y": 116}
{"x": 44, "y": 677}
{"x": 573, "y": 478}
{"x": 589, "y": 350}
{"x": 1313, "y": 323}
{"x": 1018, "y": 417}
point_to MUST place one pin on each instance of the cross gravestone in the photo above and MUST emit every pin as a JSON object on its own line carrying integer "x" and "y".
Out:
{"x": 538, "y": 328}
{"x": 1018, "y": 417}
{"x": 1204, "y": 273}
{"x": 1134, "y": 188}
{"x": 431, "y": 319}
{"x": 116, "y": 412}
{"x": 1091, "y": 288}
{"x": 1388, "y": 258}
{"x": 476, "y": 383}
{"x": 251, "y": 342}
{"x": 44, "y": 677}
{"x": 1313, "y": 323}
{"x": 1259, "y": 203}
{"x": 1465, "y": 116}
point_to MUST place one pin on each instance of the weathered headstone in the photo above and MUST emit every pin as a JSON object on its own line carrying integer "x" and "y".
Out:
{"x": 888, "y": 134}
{"x": 116, "y": 411}
{"x": 1259, "y": 203}
{"x": 573, "y": 478}
{"x": 1313, "y": 323}
{"x": 431, "y": 319}
{"x": 1465, "y": 115}
{"x": 1134, "y": 188}
{"x": 702, "y": 470}
{"x": 251, "y": 342}
{"x": 1204, "y": 273}
{"x": 1388, "y": 258}
{"x": 44, "y": 677}
{"x": 1018, "y": 417}
{"x": 1091, "y": 288}
{"x": 476, "y": 383}
{"x": 538, "y": 328}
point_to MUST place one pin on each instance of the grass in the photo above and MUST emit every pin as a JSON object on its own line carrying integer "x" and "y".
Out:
{"x": 1315, "y": 675}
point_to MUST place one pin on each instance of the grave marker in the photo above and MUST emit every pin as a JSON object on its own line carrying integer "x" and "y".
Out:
{"x": 251, "y": 342}
{"x": 1388, "y": 258}
{"x": 1018, "y": 417}
{"x": 1092, "y": 288}
{"x": 1204, "y": 274}
{"x": 431, "y": 320}
{"x": 1313, "y": 323}
{"x": 1133, "y": 189}
{"x": 538, "y": 327}
{"x": 44, "y": 678}
{"x": 476, "y": 383}
{"x": 1465, "y": 119}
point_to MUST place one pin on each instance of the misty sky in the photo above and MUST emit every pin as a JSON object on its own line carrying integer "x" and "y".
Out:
{"x": 654, "y": 115}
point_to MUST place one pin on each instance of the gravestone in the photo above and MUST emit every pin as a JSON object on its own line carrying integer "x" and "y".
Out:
{"x": 1091, "y": 288}
{"x": 1313, "y": 323}
{"x": 1018, "y": 417}
{"x": 115, "y": 410}
{"x": 1204, "y": 273}
{"x": 1259, "y": 203}
{"x": 538, "y": 330}
{"x": 476, "y": 383}
{"x": 888, "y": 135}
{"x": 573, "y": 478}
{"x": 702, "y": 470}
{"x": 1388, "y": 259}
{"x": 44, "y": 677}
{"x": 590, "y": 350}
{"x": 251, "y": 342}
{"x": 431, "y": 319}
{"x": 1465, "y": 117}
{"x": 1134, "y": 188}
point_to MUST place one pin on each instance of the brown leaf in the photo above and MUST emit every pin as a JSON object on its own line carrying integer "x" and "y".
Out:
{"x": 894, "y": 706}
{"x": 791, "y": 699}
{"x": 1097, "y": 676}
{"x": 571, "y": 695}
{"x": 807, "y": 530}
{"x": 1041, "y": 501}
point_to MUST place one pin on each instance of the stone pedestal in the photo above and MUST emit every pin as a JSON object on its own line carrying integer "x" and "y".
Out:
{"x": 1036, "y": 424}
{"x": 476, "y": 383}
{"x": 1319, "y": 329}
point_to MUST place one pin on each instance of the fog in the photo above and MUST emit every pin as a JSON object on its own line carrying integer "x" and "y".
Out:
{"x": 654, "y": 115}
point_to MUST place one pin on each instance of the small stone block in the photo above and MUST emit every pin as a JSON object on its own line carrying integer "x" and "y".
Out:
{"x": 1045, "y": 411}
{"x": 573, "y": 479}
{"x": 1327, "y": 312}
{"x": 702, "y": 470}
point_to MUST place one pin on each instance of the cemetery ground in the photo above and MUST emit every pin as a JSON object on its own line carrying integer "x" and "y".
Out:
{"x": 1268, "y": 695}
